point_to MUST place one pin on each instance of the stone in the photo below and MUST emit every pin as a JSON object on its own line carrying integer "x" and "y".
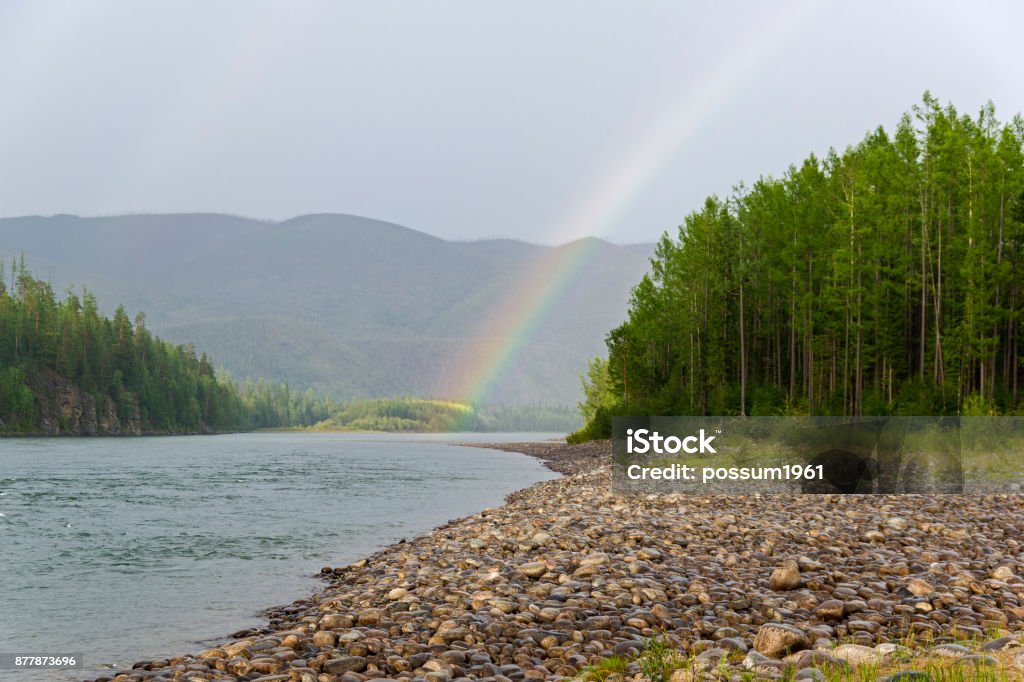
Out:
{"x": 811, "y": 674}
{"x": 338, "y": 666}
{"x": 862, "y": 626}
{"x": 993, "y": 617}
{"x": 533, "y": 569}
{"x": 265, "y": 664}
{"x": 438, "y": 676}
{"x": 856, "y": 654}
{"x": 919, "y": 588}
{"x": 331, "y": 621}
{"x": 436, "y": 664}
{"x": 707, "y": 661}
{"x": 759, "y": 663}
{"x": 594, "y": 559}
{"x": 596, "y": 623}
{"x": 897, "y": 523}
{"x": 950, "y": 651}
{"x": 810, "y": 658}
{"x": 854, "y": 606}
{"x": 733, "y": 644}
{"x": 785, "y": 577}
{"x": 778, "y": 639}
{"x": 1003, "y": 573}
{"x": 541, "y": 538}
{"x": 617, "y": 571}
{"x": 369, "y": 616}
{"x": 649, "y": 553}
{"x": 1001, "y": 643}
{"x": 324, "y": 638}
{"x": 236, "y": 648}
{"x": 889, "y": 649}
{"x": 212, "y": 653}
{"x": 830, "y": 609}
{"x": 661, "y": 612}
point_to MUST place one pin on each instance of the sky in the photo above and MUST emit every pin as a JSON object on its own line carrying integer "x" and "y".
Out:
{"x": 533, "y": 120}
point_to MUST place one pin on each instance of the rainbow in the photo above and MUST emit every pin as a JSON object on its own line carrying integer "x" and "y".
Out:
{"x": 508, "y": 326}
{"x": 512, "y": 322}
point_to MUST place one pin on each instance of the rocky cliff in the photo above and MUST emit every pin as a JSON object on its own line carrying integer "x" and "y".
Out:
{"x": 63, "y": 409}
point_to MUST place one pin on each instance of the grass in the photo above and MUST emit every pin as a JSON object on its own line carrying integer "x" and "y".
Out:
{"x": 936, "y": 669}
{"x": 657, "y": 663}
{"x": 660, "y": 660}
{"x": 603, "y": 669}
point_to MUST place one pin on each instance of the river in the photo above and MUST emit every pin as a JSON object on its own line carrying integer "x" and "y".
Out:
{"x": 121, "y": 549}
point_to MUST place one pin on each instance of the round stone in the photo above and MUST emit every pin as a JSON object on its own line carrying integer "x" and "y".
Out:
{"x": 778, "y": 639}
{"x": 785, "y": 577}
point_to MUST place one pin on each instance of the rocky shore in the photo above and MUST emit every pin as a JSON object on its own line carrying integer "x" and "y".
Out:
{"x": 567, "y": 580}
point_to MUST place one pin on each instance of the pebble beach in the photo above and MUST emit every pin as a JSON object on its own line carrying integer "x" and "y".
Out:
{"x": 568, "y": 580}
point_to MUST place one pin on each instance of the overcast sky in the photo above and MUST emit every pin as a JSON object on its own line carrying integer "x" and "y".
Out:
{"x": 542, "y": 121}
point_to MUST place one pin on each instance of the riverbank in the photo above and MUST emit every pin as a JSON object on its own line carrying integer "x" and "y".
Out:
{"x": 565, "y": 575}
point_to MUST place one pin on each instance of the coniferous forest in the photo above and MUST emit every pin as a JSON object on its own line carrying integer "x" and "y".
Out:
{"x": 884, "y": 279}
{"x": 65, "y": 368}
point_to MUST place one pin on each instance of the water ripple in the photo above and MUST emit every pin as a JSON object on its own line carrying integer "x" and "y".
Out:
{"x": 133, "y": 548}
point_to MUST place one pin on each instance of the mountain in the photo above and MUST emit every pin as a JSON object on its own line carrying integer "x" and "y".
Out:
{"x": 355, "y": 307}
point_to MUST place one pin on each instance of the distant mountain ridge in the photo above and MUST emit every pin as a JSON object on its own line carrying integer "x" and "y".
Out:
{"x": 352, "y": 306}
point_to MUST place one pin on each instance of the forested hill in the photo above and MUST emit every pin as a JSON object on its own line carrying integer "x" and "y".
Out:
{"x": 352, "y": 307}
{"x": 885, "y": 279}
{"x": 66, "y": 369}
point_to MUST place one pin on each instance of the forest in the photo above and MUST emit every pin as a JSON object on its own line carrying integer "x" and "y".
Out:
{"x": 65, "y": 369}
{"x": 436, "y": 416}
{"x": 62, "y": 358}
{"x": 886, "y": 279}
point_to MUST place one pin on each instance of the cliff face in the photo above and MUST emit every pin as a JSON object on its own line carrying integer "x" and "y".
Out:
{"x": 65, "y": 410}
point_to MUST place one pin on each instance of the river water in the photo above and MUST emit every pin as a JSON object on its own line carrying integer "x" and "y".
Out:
{"x": 123, "y": 549}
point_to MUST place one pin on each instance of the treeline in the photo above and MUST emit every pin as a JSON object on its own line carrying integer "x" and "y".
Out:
{"x": 49, "y": 346}
{"x": 439, "y": 416}
{"x": 67, "y": 369}
{"x": 274, "y": 405}
{"x": 886, "y": 279}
